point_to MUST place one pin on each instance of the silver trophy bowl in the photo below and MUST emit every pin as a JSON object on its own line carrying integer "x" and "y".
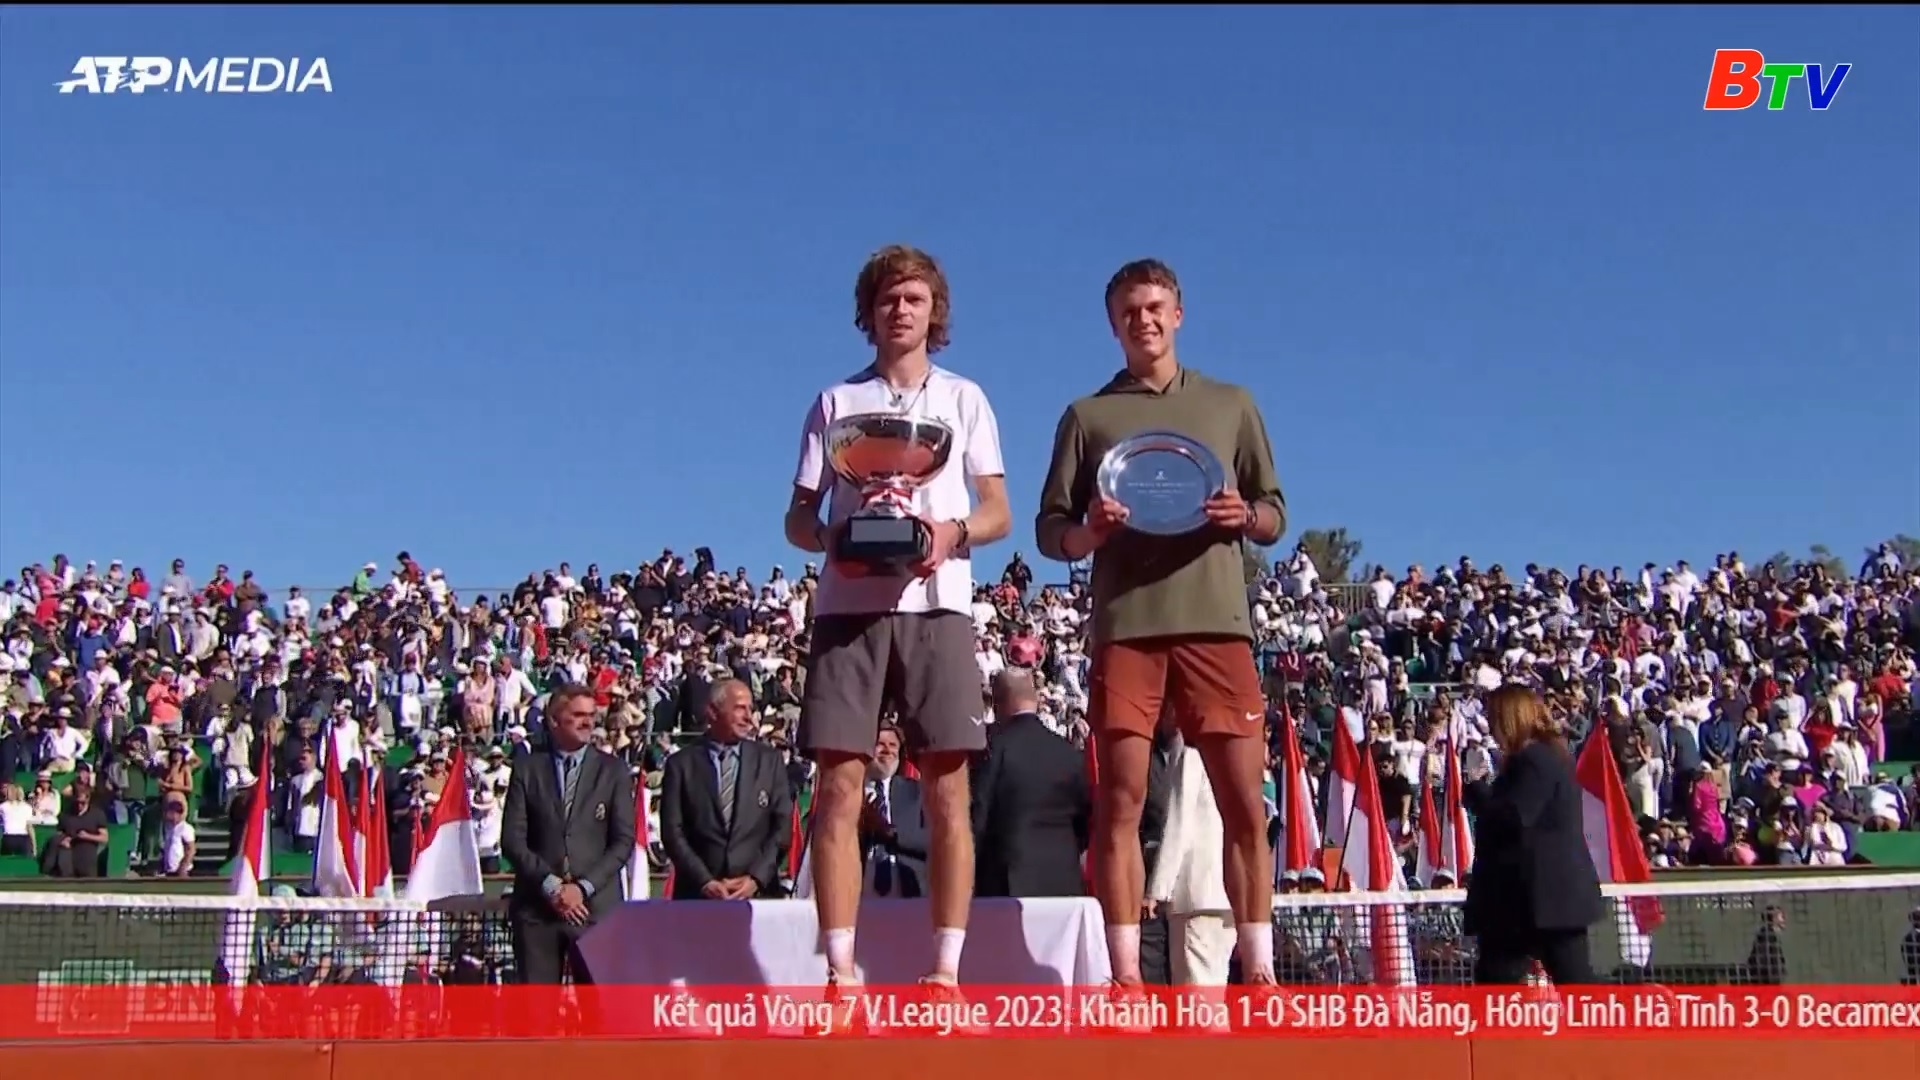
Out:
{"x": 875, "y": 451}
{"x": 888, "y": 457}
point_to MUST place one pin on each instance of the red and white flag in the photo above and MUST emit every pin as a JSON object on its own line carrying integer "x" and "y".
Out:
{"x": 1456, "y": 832}
{"x": 798, "y": 839}
{"x": 803, "y": 865}
{"x": 253, "y": 866}
{"x": 448, "y": 862}
{"x": 1343, "y": 774}
{"x": 336, "y": 857}
{"x": 1613, "y": 841}
{"x": 1430, "y": 850}
{"x": 1371, "y": 863}
{"x": 639, "y": 874}
{"x": 1299, "y": 846}
{"x": 376, "y": 852}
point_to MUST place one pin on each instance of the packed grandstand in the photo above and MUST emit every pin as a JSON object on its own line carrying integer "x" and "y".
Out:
{"x": 1759, "y": 715}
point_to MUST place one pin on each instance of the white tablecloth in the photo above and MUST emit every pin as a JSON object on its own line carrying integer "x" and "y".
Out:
{"x": 1041, "y": 942}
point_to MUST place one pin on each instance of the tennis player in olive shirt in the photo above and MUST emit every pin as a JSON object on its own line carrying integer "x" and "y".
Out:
{"x": 1171, "y": 622}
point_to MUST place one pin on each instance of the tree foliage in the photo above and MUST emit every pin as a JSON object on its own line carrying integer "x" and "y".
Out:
{"x": 1817, "y": 555}
{"x": 1333, "y": 552}
{"x": 1257, "y": 561}
{"x": 1907, "y": 547}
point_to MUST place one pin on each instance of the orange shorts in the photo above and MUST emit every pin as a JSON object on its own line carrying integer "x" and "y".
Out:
{"x": 1208, "y": 686}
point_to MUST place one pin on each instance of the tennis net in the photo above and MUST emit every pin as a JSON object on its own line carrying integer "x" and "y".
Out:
{"x": 1803, "y": 929}
{"x": 1806, "y": 929}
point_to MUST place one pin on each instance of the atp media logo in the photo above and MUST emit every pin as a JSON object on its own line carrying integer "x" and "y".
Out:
{"x": 220, "y": 75}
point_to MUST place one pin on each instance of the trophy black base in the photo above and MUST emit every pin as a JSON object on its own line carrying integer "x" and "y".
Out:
{"x": 884, "y": 543}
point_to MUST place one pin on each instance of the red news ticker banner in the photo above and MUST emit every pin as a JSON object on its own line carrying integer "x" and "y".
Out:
{"x": 629, "y": 1012}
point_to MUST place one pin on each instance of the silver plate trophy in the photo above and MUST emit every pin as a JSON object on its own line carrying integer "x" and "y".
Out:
{"x": 1164, "y": 479}
{"x": 888, "y": 457}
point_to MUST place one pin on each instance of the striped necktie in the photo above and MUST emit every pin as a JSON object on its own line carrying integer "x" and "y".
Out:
{"x": 883, "y": 870}
{"x": 729, "y": 781}
{"x": 569, "y": 780}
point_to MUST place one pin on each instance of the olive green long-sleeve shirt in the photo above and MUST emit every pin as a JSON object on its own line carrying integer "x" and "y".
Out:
{"x": 1161, "y": 586}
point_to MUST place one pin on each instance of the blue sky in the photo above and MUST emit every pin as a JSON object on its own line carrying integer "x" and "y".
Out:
{"x": 534, "y": 285}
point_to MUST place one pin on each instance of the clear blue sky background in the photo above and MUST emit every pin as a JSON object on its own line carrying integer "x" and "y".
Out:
{"x": 560, "y": 284}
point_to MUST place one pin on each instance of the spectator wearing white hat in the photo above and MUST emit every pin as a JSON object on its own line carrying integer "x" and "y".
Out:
{"x": 63, "y": 744}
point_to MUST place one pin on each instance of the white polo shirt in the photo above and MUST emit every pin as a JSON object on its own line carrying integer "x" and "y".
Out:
{"x": 956, "y": 402}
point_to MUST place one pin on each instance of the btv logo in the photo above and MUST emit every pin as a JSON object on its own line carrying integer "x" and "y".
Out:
{"x": 1736, "y": 81}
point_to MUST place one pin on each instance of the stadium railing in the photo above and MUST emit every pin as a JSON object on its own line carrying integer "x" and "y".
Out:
{"x": 1349, "y": 597}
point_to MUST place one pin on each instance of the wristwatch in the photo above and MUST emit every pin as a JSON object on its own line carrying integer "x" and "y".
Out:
{"x": 961, "y": 543}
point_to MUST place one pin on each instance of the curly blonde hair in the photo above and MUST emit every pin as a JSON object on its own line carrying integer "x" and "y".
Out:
{"x": 888, "y": 267}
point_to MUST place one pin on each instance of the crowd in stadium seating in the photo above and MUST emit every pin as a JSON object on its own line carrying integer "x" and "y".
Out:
{"x": 1757, "y": 715}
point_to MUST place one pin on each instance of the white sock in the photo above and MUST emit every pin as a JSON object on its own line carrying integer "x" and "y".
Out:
{"x": 840, "y": 953}
{"x": 947, "y": 944}
{"x": 1123, "y": 948}
{"x": 1256, "y": 949}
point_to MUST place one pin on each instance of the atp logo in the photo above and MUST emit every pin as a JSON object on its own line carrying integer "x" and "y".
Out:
{"x": 220, "y": 75}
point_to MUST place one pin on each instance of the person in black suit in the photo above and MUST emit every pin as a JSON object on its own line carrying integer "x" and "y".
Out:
{"x": 893, "y": 825}
{"x": 568, "y": 830}
{"x": 1533, "y": 892}
{"x": 1156, "y": 965}
{"x": 1032, "y": 807}
{"x": 725, "y": 806}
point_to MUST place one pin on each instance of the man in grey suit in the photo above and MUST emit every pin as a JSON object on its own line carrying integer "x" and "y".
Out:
{"x": 568, "y": 831}
{"x": 726, "y": 806}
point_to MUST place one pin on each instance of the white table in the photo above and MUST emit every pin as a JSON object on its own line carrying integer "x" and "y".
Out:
{"x": 1040, "y": 942}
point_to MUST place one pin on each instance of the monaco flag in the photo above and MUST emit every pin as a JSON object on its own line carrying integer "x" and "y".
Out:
{"x": 639, "y": 874}
{"x": 1613, "y": 841}
{"x": 254, "y": 865}
{"x": 797, "y": 837}
{"x": 448, "y": 863}
{"x": 1299, "y": 832}
{"x": 803, "y": 866}
{"x": 1343, "y": 774}
{"x": 1456, "y": 832}
{"x": 336, "y": 862}
{"x": 376, "y": 853}
{"x": 803, "y": 877}
{"x": 1430, "y": 855}
{"x": 1372, "y": 864}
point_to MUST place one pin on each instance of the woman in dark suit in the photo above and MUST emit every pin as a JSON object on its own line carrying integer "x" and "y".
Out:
{"x": 1534, "y": 892}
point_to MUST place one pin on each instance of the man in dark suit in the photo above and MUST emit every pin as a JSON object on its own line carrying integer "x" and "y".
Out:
{"x": 568, "y": 831}
{"x": 726, "y": 806}
{"x": 1032, "y": 808}
{"x": 170, "y": 638}
{"x": 893, "y": 825}
{"x": 1156, "y": 966}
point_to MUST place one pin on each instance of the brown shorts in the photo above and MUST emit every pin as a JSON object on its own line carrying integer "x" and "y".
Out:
{"x": 920, "y": 664}
{"x": 1209, "y": 685}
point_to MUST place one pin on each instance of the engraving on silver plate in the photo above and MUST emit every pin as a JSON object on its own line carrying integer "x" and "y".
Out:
{"x": 1164, "y": 479}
